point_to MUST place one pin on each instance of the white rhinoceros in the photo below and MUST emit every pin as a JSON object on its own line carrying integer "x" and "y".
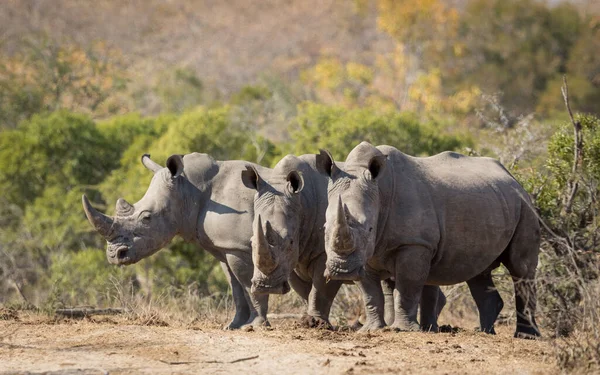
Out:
{"x": 439, "y": 220}
{"x": 204, "y": 202}
{"x": 288, "y": 239}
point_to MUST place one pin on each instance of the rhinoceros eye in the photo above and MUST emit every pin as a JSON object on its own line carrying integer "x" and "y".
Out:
{"x": 146, "y": 218}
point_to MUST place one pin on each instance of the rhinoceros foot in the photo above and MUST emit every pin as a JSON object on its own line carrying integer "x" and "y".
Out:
{"x": 431, "y": 328}
{"x": 490, "y": 331}
{"x": 309, "y": 321}
{"x": 233, "y": 325}
{"x": 405, "y": 327}
{"x": 256, "y": 323}
{"x": 527, "y": 333}
{"x": 372, "y": 327}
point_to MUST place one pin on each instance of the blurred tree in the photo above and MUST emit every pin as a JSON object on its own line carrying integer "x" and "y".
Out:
{"x": 62, "y": 150}
{"x": 583, "y": 67}
{"x": 512, "y": 48}
{"x": 179, "y": 90}
{"x": 349, "y": 84}
{"x": 47, "y": 76}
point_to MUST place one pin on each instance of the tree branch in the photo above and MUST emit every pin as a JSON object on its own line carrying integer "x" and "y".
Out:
{"x": 573, "y": 183}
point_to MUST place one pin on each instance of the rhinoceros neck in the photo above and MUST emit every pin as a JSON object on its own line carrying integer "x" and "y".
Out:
{"x": 200, "y": 170}
{"x": 224, "y": 222}
{"x": 309, "y": 212}
{"x": 193, "y": 200}
{"x": 314, "y": 205}
{"x": 387, "y": 188}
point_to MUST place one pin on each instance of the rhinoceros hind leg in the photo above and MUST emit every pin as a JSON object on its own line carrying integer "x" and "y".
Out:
{"x": 525, "y": 301}
{"x": 388, "y": 295}
{"x": 488, "y": 300}
{"x": 521, "y": 258}
{"x": 242, "y": 309}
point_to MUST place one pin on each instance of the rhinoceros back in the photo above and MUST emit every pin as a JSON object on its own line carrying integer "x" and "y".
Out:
{"x": 465, "y": 209}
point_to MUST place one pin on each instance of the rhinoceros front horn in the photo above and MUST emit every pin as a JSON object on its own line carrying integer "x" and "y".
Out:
{"x": 261, "y": 251}
{"x": 342, "y": 236}
{"x": 101, "y": 222}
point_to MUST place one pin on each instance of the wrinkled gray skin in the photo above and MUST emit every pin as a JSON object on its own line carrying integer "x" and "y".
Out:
{"x": 288, "y": 240}
{"x": 203, "y": 201}
{"x": 439, "y": 220}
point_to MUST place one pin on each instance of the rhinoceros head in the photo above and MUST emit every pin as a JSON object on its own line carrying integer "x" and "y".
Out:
{"x": 276, "y": 227}
{"x": 352, "y": 211}
{"x": 141, "y": 229}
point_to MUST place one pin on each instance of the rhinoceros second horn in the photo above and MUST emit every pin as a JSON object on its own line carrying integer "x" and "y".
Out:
{"x": 124, "y": 208}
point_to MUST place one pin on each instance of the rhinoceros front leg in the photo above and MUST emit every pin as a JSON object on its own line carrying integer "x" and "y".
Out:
{"x": 242, "y": 268}
{"x": 370, "y": 287}
{"x": 433, "y": 301}
{"x": 242, "y": 309}
{"x": 411, "y": 271}
{"x": 300, "y": 286}
{"x": 321, "y": 296}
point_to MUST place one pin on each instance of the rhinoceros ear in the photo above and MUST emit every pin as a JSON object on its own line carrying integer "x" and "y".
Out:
{"x": 325, "y": 163}
{"x": 150, "y": 164}
{"x": 295, "y": 182}
{"x": 175, "y": 165}
{"x": 377, "y": 165}
{"x": 251, "y": 178}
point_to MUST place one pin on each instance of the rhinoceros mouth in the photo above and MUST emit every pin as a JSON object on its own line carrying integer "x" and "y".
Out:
{"x": 263, "y": 288}
{"x": 333, "y": 272}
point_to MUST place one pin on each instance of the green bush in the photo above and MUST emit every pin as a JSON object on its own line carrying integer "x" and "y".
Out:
{"x": 338, "y": 130}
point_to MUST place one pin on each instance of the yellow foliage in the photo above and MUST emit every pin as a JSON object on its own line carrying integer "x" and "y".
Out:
{"x": 328, "y": 73}
{"x": 63, "y": 76}
{"x": 359, "y": 72}
{"x": 417, "y": 21}
{"x": 426, "y": 92}
{"x": 463, "y": 101}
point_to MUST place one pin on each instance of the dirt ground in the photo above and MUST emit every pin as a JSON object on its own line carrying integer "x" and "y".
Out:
{"x": 115, "y": 345}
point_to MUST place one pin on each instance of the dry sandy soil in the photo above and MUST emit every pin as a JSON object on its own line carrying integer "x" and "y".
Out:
{"x": 115, "y": 345}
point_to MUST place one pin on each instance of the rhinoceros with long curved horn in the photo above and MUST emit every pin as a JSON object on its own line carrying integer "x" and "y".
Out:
{"x": 187, "y": 198}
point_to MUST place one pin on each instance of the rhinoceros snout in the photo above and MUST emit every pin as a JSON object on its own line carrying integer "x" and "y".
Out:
{"x": 120, "y": 255}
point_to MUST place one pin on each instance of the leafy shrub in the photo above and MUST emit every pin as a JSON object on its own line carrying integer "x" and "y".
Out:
{"x": 339, "y": 130}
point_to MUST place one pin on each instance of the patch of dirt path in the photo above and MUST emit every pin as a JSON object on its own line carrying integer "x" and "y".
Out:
{"x": 118, "y": 347}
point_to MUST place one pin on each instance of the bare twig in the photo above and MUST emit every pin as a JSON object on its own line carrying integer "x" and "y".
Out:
{"x": 234, "y": 361}
{"x": 578, "y": 152}
{"x": 177, "y": 362}
{"x": 244, "y": 359}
